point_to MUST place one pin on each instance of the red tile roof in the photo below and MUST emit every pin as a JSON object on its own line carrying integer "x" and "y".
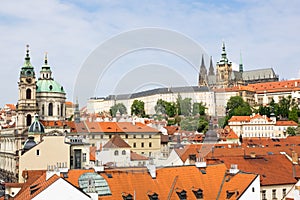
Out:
{"x": 134, "y": 156}
{"x": 286, "y": 123}
{"x": 116, "y": 142}
{"x": 40, "y": 184}
{"x": 273, "y": 169}
{"x": 289, "y": 85}
{"x": 11, "y": 106}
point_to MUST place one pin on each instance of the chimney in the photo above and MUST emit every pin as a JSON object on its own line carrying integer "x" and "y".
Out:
{"x": 252, "y": 155}
{"x": 233, "y": 169}
{"x": 152, "y": 170}
{"x": 295, "y": 157}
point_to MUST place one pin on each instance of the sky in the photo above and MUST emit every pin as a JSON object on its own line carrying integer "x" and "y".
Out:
{"x": 266, "y": 33}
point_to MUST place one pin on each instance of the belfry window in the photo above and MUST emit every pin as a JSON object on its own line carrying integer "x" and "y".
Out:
{"x": 43, "y": 109}
{"x": 28, "y": 120}
{"x": 28, "y": 93}
{"x": 50, "y": 109}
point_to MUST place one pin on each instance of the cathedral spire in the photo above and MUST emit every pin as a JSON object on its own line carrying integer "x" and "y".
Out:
{"x": 241, "y": 63}
{"x": 203, "y": 73}
{"x": 211, "y": 71}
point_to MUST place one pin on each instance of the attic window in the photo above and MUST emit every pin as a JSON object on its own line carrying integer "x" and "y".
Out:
{"x": 50, "y": 87}
{"x": 181, "y": 194}
{"x": 139, "y": 128}
{"x": 153, "y": 196}
{"x": 198, "y": 193}
{"x": 109, "y": 127}
{"x": 229, "y": 194}
{"x": 127, "y": 196}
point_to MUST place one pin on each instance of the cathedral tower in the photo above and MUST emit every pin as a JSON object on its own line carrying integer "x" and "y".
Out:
{"x": 27, "y": 105}
{"x": 202, "y": 74}
{"x": 224, "y": 69}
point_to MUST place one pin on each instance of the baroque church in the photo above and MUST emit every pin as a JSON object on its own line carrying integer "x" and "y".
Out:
{"x": 39, "y": 100}
{"x": 224, "y": 76}
{"x": 43, "y": 96}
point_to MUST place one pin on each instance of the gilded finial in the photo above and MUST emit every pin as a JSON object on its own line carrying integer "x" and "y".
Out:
{"x": 46, "y": 58}
{"x": 27, "y": 58}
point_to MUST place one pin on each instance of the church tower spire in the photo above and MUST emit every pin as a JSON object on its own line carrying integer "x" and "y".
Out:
{"x": 211, "y": 71}
{"x": 241, "y": 68}
{"x": 26, "y": 106}
{"x": 203, "y": 73}
{"x": 46, "y": 73}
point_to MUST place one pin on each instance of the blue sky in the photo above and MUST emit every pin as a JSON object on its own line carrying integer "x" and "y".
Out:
{"x": 266, "y": 32}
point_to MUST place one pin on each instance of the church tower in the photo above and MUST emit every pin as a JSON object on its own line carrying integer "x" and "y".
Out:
{"x": 202, "y": 74}
{"x": 27, "y": 105}
{"x": 50, "y": 95}
{"x": 224, "y": 69}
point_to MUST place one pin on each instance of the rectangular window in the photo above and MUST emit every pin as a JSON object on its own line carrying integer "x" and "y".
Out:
{"x": 134, "y": 145}
{"x": 101, "y": 136}
{"x": 37, "y": 152}
{"x": 283, "y": 192}
{"x": 263, "y": 195}
{"x": 134, "y": 136}
{"x": 109, "y": 136}
{"x": 142, "y": 136}
{"x": 142, "y": 144}
{"x": 84, "y": 157}
{"x": 150, "y": 144}
{"x": 126, "y": 136}
{"x": 150, "y": 136}
{"x": 274, "y": 194}
{"x": 93, "y": 136}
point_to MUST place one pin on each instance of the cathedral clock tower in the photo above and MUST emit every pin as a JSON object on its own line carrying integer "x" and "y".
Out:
{"x": 27, "y": 105}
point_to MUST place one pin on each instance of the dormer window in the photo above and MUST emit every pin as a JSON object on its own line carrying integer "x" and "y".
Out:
{"x": 153, "y": 196}
{"x": 127, "y": 196}
{"x": 181, "y": 194}
{"x": 198, "y": 193}
{"x": 50, "y": 87}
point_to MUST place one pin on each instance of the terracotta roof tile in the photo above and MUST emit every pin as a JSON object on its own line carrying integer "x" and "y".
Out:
{"x": 116, "y": 142}
{"x": 286, "y": 123}
{"x": 135, "y": 156}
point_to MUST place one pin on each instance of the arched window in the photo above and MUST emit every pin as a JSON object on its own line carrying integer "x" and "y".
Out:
{"x": 50, "y": 109}
{"x": 28, "y": 120}
{"x": 43, "y": 109}
{"x": 123, "y": 152}
{"x": 28, "y": 93}
{"x": 62, "y": 110}
{"x": 58, "y": 110}
{"x": 116, "y": 152}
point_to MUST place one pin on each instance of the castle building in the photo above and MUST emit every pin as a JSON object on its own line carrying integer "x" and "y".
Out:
{"x": 226, "y": 77}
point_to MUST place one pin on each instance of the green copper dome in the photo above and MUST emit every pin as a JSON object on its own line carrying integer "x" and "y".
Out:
{"x": 49, "y": 86}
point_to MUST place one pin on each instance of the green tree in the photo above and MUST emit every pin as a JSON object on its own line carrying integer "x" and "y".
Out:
{"x": 285, "y": 105}
{"x": 236, "y": 106}
{"x": 137, "y": 108}
{"x": 165, "y": 107}
{"x": 178, "y": 104}
{"x": 198, "y": 108}
{"x": 291, "y": 131}
{"x": 185, "y": 106}
{"x": 160, "y": 107}
{"x": 118, "y": 107}
{"x": 264, "y": 110}
{"x": 170, "y": 109}
{"x": 293, "y": 114}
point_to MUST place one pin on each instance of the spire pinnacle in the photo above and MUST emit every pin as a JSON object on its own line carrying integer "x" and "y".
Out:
{"x": 211, "y": 67}
{"x": 27, "y": 58}
{"x": 46, "y": 58}
{"x": 241, "y": 63}
{"x": 202, "y": 61}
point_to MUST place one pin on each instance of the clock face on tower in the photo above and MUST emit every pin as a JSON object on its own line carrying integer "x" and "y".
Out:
{"x": 28, "y": 80}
